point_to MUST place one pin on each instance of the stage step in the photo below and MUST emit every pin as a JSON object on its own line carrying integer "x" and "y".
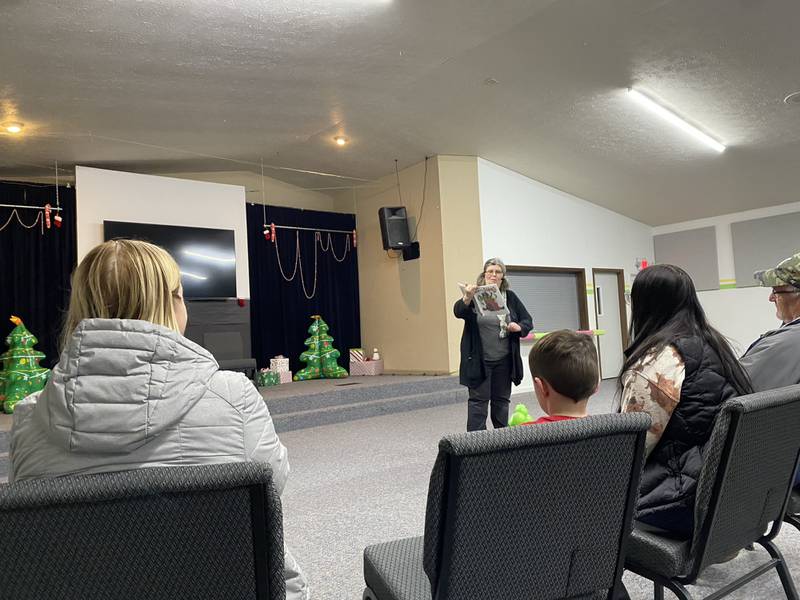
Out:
{"x": 3, "y": 456}
{"x": 357, "y": 389}
{"x": 329, "y": 414}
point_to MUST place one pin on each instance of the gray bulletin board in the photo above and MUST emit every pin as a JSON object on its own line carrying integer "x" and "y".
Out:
{"x": 762, "y": 243}
{"x": 694, "y": 251}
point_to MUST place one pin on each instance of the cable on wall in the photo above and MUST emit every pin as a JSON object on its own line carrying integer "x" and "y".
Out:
{"x": 422, "y": 205}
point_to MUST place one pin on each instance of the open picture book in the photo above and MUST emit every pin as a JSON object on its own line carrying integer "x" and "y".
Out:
{"x": 488, "y": 299}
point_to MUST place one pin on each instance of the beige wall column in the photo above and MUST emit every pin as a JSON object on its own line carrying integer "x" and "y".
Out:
{"x": 461, "y": 238}
{"x": 406, "y": 307}
{"x": 401, "y": 301}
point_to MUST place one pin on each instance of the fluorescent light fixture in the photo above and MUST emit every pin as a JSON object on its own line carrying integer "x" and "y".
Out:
{"x": 675, "y": 120}
{"x": 208, "y": 257}
{"x": 193, "y": 275}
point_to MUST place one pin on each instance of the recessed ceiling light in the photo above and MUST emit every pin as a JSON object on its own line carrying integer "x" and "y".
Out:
{"x": 340, "y": 140}
{"x": 12, "y": 126}
{"x": 793, "y": 98}
{"x": 490, "y": 81}
{"x": 675, "y": 120}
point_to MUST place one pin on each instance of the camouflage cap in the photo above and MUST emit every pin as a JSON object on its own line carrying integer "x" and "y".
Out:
{"x": 786, "y": 273}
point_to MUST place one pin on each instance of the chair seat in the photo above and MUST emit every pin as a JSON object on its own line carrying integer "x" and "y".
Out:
{"x": 666, "y": 556}
{"x": 393, "y": 570}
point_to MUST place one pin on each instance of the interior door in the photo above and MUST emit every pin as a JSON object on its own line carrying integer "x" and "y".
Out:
{"x": 609, "y": 307}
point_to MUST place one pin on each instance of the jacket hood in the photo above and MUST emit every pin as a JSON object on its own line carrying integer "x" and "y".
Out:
{"x": 121, "y": 382}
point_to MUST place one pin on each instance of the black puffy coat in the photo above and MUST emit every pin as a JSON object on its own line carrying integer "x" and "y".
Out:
{"x": 669, "y": 480}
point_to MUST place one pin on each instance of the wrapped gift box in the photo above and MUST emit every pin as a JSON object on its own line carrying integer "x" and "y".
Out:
{"x": 285, "y": 376}
{"x": 279, "y": 364}
{"x": 367, "y": 367}
{"x": 265, "y": 378}
{"x": 357, "y": 355}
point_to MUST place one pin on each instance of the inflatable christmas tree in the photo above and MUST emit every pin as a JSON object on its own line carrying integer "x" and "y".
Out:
{"x": 520, "y": 416}
{"x": 21, "y": 374}
{"x": 320, "y": 358}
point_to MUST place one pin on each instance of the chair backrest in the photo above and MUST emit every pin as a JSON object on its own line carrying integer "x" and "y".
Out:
{"x": 224, "y": 345}
{"x": 540, "y": 511}
{"x": 159, "y": 533}
{"x": 747, "y": 475}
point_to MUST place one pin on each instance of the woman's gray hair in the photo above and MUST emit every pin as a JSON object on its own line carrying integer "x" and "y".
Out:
{"x": 504, "y": 285}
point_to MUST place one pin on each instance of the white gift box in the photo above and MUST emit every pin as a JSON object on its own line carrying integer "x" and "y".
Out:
{"x": 286, "y": 376}
{"x": 279, "y": 365}
{"x": 367, "y": 367}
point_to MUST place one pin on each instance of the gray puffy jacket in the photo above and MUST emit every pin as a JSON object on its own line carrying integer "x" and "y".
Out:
{"x": 128, "y": 394}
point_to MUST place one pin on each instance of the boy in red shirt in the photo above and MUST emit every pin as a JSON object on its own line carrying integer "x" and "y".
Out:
{"x": 565, "y": 374}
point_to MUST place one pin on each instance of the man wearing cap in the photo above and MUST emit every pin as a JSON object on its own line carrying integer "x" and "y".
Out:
{"x": 773, "y": 360}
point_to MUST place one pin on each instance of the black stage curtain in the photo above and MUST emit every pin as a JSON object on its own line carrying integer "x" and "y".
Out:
{"x": 35, "y": 268}
{"x": 280, "y": 311}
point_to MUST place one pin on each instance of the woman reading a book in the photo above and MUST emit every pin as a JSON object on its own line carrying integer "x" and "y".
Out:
{"x": 494, "y": 321}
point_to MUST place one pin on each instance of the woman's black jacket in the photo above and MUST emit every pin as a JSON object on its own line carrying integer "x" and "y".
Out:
{"x": 472, "y": 373}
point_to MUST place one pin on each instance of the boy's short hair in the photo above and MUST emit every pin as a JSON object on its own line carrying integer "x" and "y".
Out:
{"x": 567, "y": 360}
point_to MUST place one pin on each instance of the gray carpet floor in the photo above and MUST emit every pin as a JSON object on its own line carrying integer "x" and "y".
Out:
{"x": 363, "y": 482}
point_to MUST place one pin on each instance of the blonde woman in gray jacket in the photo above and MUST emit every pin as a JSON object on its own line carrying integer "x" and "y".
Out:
{"x": 130, "y": 391}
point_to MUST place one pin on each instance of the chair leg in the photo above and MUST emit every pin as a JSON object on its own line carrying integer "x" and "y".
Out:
{"x": 619, "y": 592}
{"x": 783, "y": 570}
{"x": 792, "y": 520}
{"x": 658, "y": 591}
{"x": 676, "y": 588}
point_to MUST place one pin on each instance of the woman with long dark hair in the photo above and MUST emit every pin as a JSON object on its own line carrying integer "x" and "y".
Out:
{"x": 680, "y": 370}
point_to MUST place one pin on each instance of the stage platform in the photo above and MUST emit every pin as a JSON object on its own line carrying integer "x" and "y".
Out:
{"x": 5, "y": 425}
{"x": 303, "y": 404}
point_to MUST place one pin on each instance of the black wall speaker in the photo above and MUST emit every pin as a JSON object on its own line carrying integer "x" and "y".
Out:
{"x": 412, "y": 252}
{"x": 394, "y": 227}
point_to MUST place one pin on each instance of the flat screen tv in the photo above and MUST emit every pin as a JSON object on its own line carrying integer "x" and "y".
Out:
{"x": 206, "y": 257}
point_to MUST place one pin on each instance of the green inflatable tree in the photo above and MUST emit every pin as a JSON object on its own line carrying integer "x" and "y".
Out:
{"x": 21, "y": 374}
{"x": 320, "y": 358}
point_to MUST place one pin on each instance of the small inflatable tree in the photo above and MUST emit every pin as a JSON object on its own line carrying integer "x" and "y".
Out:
{"x": 21, "y": 374}
{"x": 520, "y": 416}
{"x": 320, "y": 358}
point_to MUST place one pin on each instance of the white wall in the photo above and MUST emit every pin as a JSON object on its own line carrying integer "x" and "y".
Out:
{"x": 275, "y": 192}
{"x": 526, "y": 222}
{"x": 741, "y": 314}
{"x": 118, "y": 196}
{"x": 744, "y": 313}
